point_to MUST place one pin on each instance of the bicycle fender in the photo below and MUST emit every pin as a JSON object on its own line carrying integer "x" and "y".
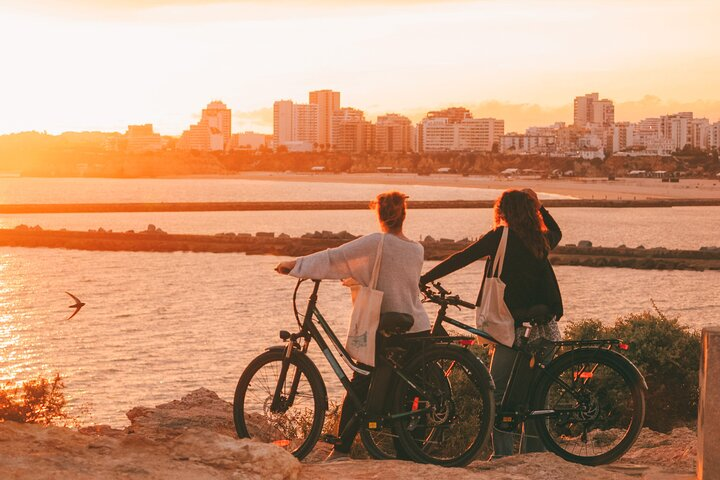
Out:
{"x": 311, "y": 366}
{"x": 621, "y": 358}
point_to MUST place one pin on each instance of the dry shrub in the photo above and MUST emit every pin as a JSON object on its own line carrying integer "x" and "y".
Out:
{"x": 40, "y": 401}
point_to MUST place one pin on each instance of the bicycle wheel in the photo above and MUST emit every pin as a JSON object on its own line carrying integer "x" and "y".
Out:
{"x": 599, "y": 405}
{"x": 296, "y": 424}
{"x": 381, "y": 443}
{"x": 446, "y": 408}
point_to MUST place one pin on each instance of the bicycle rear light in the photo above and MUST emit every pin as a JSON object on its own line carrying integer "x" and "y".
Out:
{"x": 466, "y": 343}
{"x": 416, "y": 402}
{"x": 281, "y": 443}
{"x": 623, "y": 346}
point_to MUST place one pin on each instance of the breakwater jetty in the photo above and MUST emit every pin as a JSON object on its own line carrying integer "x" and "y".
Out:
{"x": 268, "y": 243}
{"x": 335, "y": 205}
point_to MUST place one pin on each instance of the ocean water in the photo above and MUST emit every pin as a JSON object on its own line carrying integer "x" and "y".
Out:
{"x": 158, "y": 325}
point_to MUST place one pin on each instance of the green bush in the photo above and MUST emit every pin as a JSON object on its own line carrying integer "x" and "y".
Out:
{"x": 37, "y": 401}
{"x": 668, "y": 355}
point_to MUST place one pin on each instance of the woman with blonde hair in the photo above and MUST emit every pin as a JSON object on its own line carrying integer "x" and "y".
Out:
{"x": 529, "y": 283}
{"x": 400, "y": 267}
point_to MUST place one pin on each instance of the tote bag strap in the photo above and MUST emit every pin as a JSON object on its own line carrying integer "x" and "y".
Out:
{"x": 376, "y": 267}
{"x": 499, "y": 259}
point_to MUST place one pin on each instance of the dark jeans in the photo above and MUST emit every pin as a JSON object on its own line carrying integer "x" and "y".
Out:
{"x": 503, "y": 442}
{"x": 362, "y": 384}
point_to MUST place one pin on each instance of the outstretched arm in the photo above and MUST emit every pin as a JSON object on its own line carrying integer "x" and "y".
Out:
{"x": 487, "y": 245}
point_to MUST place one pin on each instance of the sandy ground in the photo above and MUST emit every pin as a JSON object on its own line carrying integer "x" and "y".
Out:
{"x": 585, "y": 188}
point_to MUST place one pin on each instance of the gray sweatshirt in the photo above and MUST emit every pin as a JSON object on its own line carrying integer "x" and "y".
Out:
{"x": 398, "y": 279}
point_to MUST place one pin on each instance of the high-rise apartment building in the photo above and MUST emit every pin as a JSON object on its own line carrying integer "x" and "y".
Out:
{"x": 327, "y": 102}
{"x": 393, "y": 134}
{"x": 219, "y": 117}
{"x": 295, "y": 125}
{"x": 351, "y": 132}
{"x": 458, "y": 131}
{"x": 212, "y": 132}
{"x": 591, "y": 110}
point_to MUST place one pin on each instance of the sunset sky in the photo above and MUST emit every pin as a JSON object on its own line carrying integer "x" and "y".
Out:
{"x": 104, "y": 64}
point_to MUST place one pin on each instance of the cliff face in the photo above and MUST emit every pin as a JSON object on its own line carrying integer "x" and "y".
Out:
{"x": 193, "y": 438}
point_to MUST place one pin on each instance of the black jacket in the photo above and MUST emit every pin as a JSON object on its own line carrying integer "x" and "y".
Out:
{"x": 528, "y": 280}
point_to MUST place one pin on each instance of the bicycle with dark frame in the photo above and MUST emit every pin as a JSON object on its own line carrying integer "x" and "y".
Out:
{"x": 587, "y": 399}
{"x": 440, "y": 406}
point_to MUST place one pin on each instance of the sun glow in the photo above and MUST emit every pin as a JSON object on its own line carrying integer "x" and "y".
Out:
{"x": 85, "y": 67}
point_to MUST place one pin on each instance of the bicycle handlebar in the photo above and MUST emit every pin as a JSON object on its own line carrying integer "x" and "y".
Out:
{"x": 441, "y": 296}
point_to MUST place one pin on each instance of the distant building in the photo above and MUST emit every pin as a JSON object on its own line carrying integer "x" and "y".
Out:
{"x": 142, "y": 138}
{"x": 249, "y": 141}
{"x": 454, "y": 129}
{"x": 328, "y": 102}
{"x": 351, "y": 132}
{"x": 529, "y": 144}
{"x": 714, "y": 136}
{"x": 590, "y": 110}
{"x": 212, "y": 132}
{"x": 623, "y": 136}
{"x": 295, "y": 124}
{"x": 393, "y": 134}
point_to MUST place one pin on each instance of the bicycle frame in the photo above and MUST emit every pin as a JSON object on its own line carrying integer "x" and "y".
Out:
{"x": 310, "y": 331}
{"x": 538, "y": 363}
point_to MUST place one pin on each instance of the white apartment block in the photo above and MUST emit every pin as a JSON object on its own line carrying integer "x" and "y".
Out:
{"x": 327, "y": 102}
{"x": 295, "y": 124}
{"x": 714, "y": 136}
{"x": 469, "y": 134}
{"x": 528, "y": 144}
{"x": 591, "y": 110}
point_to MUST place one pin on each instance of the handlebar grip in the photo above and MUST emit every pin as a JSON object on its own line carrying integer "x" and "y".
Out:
{"x": 465, "y": 304}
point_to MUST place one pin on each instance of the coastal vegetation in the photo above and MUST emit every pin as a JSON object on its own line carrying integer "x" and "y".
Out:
{"x": 40, "y": 400}
{"x": 90, "y": 154}
{"x": 668, "y": 355}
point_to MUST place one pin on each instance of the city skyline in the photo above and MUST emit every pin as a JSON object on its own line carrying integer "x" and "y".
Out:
{"x": 86, "y": 66}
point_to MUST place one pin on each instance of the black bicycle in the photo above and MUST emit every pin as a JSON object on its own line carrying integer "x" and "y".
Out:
{"x": 439, "y": 409}
{"x": 586, "y": 399}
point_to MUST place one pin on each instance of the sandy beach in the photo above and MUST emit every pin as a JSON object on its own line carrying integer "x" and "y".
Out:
{"x": 583, "y": 188}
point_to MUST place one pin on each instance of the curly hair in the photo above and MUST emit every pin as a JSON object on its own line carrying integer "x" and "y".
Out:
{"x": 518, "y": 211}
{"x": 390, "y": 207}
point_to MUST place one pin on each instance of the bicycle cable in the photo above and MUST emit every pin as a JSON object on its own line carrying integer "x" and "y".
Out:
{"x": 294, "y": 302}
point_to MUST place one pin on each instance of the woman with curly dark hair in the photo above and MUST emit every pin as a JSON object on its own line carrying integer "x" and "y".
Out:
{"x": 529, "y": 282}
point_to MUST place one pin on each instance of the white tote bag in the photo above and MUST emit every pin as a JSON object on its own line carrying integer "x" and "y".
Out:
{"x": 365, "y": 318}
{"x": 492, "y": 315}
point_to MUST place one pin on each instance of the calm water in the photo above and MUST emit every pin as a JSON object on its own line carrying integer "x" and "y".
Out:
{"x": 158, "y": 325}
{"x": 103, "y": 190}
{"x": 611, "y": 227}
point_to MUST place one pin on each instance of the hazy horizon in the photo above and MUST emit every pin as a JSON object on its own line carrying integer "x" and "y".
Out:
{"x": 84, "y": 66}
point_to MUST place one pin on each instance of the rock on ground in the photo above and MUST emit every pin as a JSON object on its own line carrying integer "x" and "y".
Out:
{"x": 194, "y": 438}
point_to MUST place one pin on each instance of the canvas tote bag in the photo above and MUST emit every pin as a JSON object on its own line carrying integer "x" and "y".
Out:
{"x": 365, "y": 317}
{"x": 492, "y": 315}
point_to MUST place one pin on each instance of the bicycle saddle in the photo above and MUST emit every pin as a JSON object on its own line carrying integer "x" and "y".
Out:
{"x": 395, "y": 323}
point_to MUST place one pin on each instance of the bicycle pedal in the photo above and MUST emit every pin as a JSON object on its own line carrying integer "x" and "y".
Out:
{"x": 331, "y": 439}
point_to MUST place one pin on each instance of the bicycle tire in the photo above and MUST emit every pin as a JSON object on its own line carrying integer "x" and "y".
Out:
{"x": 612, "y": 399}
{"x": 461, "y": 407}
{"x": 289, "y": 429}
{"x": 380, "y": 444}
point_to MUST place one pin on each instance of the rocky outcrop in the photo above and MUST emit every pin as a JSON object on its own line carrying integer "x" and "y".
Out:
{"x": 267, "y": 243}
{"x": 193, "y": 439}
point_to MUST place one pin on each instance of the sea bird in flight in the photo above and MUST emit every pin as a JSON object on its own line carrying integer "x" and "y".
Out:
{"x": 77, "y": 306}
